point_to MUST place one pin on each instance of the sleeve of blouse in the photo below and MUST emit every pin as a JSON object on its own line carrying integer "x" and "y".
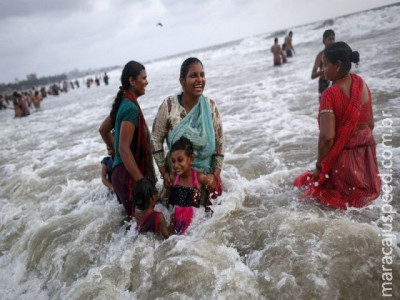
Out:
{"x": 218, "y": 157}
{"x": 158, "y": 134}
{"x": 326, "y": 104}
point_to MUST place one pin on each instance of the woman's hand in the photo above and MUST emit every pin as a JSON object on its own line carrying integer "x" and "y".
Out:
{"x": 209, "y": 181}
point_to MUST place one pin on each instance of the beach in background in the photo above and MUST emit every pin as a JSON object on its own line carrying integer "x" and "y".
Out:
{"x": 62, "y": 236}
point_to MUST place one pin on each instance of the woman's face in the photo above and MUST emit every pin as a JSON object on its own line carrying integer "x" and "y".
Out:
{"x": 331, "y": 70}
{"x": 181, "y": 162}
{"x": 195, "y": 81}
{"x": 139, "y": 84}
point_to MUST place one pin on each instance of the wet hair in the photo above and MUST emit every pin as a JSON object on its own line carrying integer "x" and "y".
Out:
{"x": 327, "y": 33}
{"x": 341, "y": 51}
{"x": 183, "y": 144}
{"x": 276, "y": 40}
{"x": 186, "y": 65}
{"x": 143, "y": 191}
{"x": 131, "y": 69}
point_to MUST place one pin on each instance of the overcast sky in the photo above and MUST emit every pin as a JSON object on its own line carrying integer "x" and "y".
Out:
{"x": 48, "y": 37}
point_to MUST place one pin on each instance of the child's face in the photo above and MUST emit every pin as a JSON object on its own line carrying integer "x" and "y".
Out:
{"x": 181, "y": 162}
{"x": 110, "y": 151}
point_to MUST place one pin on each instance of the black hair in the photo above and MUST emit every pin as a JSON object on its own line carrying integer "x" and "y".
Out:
{"x": 183, "y": 144}
{"x": 276, "y": 40}
{"x": 341, "y": 51}
{"x": 143, "y": 191}
{"x": 327, "y": 33}
{"x": 131, "y": 69}
{"x": 186, "y": 65}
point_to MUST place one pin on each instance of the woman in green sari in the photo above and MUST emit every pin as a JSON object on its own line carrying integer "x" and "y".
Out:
{"x": 194, "y": 116}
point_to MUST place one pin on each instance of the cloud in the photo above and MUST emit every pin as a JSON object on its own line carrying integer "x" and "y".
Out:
{"x": 52, "y": 36}
{"x": 25, "y": 8}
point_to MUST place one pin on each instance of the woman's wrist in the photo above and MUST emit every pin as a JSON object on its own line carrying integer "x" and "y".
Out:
{"x": 163, "y": 172}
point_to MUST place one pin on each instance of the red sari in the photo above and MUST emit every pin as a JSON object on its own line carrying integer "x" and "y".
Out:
{"x": 349, "y": 175}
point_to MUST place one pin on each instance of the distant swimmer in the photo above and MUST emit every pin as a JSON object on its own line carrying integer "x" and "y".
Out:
{"x": 277, "y": 52}
{"x": 160, "y": 24}
{"x": 284, "y": 58}
{"x": 317, "y": 71}
{"x": 289, "y": 46}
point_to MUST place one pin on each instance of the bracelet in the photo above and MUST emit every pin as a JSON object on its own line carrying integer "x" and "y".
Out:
{"x": 318, "y": 167}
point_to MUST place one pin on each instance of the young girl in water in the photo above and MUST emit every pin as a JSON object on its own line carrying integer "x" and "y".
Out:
{"x": 186, "y": 190}
{"x": 148, "y": 220}
{"x": 106, "y": 169}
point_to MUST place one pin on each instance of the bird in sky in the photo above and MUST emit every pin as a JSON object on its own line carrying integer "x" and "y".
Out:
{"x": 159, "y": 24}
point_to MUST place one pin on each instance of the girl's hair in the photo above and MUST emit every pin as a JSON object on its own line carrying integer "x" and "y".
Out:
{"x": 131, "y": 69}
{"x": 341, "y": 51}
{"x": 183, "y": 144}
{"x": 143, "y": 191}
{"x": 186, "y": 65}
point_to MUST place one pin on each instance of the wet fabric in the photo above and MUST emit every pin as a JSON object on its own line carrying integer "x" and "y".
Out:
{"x": 349, "y": 175}
{"x": 182, "y": 218}
{"x": 169, "y": 115}
{"x": 185, "y": 200}
{"x": 149, "y": 222}
{"x": 108, "y": 162}
{"x": 277, "y": 61}
{"x": 197, "y": 126}
{"x": 186, "y": 196}
{"x": 141, "y": 151}
{"x": 121, "y": 180}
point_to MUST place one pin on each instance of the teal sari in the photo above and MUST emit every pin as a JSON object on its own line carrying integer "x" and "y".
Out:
{"x": 197, "y": 126}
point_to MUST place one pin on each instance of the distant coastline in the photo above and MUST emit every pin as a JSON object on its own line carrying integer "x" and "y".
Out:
{"x": 321, "y": 23}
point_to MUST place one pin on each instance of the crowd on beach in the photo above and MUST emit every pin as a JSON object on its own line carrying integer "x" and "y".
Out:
{"x": 24, "y": 101}
{"x": 190, "y": 124}
{"x": 281, "y": 54}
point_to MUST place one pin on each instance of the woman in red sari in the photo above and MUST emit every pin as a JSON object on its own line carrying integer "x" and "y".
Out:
{"x": 346, "y": 171}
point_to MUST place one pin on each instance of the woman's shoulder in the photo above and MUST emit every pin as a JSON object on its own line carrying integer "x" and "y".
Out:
{"x": 332, "y": 91}
{"x": 169, "y": 102}
{"x": 211, "y": 101}
{"x": 171, "y": 98}
{"x": 128, "y": 104}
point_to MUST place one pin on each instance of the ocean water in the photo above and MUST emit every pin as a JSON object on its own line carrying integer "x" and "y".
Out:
{"x": 63, "y": 237}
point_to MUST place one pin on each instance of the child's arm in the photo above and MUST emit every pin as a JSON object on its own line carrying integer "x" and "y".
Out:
{"x": 104, "y": 178}
{"x": 162, "y": 227}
